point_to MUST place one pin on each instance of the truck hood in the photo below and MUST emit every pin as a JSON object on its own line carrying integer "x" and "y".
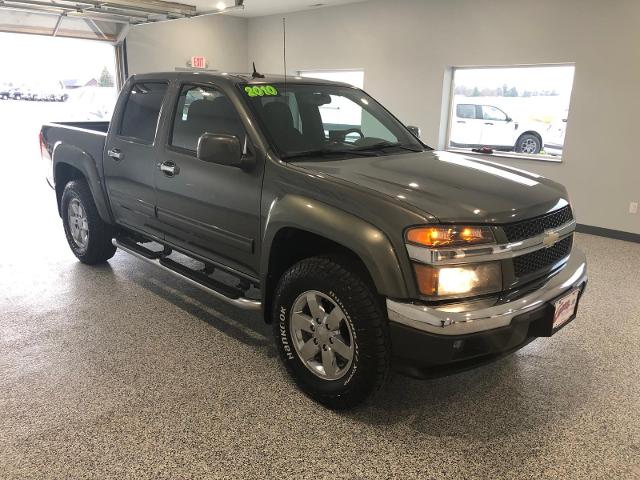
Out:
{"x": 450, "y": 187}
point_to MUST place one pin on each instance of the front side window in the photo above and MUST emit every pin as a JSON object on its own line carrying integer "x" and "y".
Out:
{"x": 302, "y": 120}
{"x": 493, "y": 113}
{"x": 140, "y": 118}
{"x": 203, "y": 110}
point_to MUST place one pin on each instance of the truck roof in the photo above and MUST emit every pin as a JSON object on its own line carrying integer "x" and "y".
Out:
{"x": 234, "y": 78}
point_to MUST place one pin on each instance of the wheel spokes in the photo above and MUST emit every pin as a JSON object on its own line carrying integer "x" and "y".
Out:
{"x": 341, "y": 348}
{"x": 309, "y": 350}
{"x": 329, "y": 362}
{"x": 334, "y": 319}
{"x": 300, "y": 321}
{"x": 317, "y": 312}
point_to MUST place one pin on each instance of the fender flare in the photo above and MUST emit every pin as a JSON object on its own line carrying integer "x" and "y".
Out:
{"x": 65, "y": 154}
{"x": 369, "y": 243}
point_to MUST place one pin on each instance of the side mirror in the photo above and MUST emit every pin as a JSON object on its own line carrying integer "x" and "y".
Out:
{"x": 415, "y": 130}
{"x": 221, "y": 149}
{"x": 509, "y": 119}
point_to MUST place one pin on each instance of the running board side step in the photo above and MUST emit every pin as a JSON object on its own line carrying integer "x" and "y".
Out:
{"x": 222, "y": 292}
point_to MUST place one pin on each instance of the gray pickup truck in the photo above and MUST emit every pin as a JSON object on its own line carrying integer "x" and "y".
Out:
{"x": 363, "y": 247}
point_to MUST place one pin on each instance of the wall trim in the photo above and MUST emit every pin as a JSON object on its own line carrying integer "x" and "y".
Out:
{"x": 609, "y": 233}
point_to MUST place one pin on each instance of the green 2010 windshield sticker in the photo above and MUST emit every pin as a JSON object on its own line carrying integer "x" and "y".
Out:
{"x": 261, "y": 91}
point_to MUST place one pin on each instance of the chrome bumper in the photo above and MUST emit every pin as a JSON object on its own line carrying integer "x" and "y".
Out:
{"x": 482, "y": 315}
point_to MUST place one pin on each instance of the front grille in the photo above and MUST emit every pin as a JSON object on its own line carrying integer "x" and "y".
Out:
{"x": 543, "y": 258}
{"x": 536, "y": 226}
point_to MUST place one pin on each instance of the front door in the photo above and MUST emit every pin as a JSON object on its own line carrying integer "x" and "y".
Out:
{"x": 129, "y": 161}
{"x": 497, "y": 129}
{"x": 209, "y": 209}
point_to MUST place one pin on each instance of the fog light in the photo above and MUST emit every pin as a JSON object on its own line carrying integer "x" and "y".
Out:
{"x": 458, "y": 281}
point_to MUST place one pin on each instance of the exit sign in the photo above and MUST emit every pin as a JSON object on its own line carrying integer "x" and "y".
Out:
{"x": 198, "y": 62}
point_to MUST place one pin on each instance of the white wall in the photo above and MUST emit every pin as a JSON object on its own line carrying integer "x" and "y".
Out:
{"x": 164, "y": 46}
{"x": 407, "y": 46}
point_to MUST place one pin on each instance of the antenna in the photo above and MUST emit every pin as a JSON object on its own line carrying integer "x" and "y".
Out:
{"x": 284, "y": 50}
{"x": 255, "y": 73}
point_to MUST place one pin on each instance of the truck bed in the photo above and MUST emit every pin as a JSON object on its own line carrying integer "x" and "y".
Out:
{"x": 84, "y": 138}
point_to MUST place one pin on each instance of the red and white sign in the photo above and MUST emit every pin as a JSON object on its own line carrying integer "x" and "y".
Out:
{"x": 198, "y": 62}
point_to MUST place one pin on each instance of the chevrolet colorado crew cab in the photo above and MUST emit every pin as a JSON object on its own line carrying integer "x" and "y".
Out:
{"x": 363, "y": 247}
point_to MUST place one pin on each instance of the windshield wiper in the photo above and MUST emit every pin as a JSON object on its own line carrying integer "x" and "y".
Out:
{"x": 383, "y": 145}
{"x": 328, "y": 151}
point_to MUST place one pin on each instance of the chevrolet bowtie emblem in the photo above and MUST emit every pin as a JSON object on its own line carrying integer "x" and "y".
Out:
{"x": 550, "y": 238}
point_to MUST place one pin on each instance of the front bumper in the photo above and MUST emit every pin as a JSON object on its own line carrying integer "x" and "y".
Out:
{"x": 426, "y": 336}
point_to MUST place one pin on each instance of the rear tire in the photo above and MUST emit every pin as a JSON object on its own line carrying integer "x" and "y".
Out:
{"x": 528, "y": 143}
{"x": 87, "y": 234}
{"x": 347, "y": 354}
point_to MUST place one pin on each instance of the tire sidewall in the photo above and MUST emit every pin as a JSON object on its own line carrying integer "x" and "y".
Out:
{"x": 361, "y": 373}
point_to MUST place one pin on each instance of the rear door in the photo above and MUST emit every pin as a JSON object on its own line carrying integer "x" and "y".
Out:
{"x": 130, "y": 158}
{"x": 209, "y": 209}
{"x": 466, "y": 128}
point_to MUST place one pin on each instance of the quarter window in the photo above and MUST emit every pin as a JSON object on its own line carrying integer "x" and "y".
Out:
{"x": 140, "y": 118}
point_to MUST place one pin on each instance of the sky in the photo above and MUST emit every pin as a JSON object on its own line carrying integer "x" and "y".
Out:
{"x": 36, "y": 59}
{"x": 558, "y": 78}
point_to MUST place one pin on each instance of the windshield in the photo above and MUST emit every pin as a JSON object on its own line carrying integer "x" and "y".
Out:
{"x": 317, "y": 120}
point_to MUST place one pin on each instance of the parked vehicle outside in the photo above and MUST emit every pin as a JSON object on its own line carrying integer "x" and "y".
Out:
{"x": 364, "y": 248}
{"x": 477, "y": 125}
{"x": 554, "y": 139}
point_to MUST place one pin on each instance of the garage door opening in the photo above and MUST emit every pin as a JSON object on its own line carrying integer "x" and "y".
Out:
{"x": 47, "y": 79}
{"x": 42, "y": 80}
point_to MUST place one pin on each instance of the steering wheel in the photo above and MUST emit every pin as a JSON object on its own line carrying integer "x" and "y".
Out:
{"x": 352, "y": 130}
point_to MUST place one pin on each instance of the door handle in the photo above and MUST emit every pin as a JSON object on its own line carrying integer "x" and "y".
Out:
{"x": 461, "y": 121}
{"x": 170, "y": 169}
{"x": 116, "y": 154}
{"x": 488, "y": 123}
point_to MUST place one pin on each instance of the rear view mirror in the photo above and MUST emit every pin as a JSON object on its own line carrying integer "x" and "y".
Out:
{"x": 318, "y": 99}
{"x": 221, "y": 149}
{"x": 415, "y": 130}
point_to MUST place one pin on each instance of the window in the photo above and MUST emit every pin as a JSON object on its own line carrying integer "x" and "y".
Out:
{"x": 466, "y": 111}
{"x": 203, "y": 110}
{"x": 352, "y": 77}
{"x": 328, "y": 120}
{"x": 140, "y": 118}
{"x": 511, "y": 109}
{"x": 340, "y": 107}
{"x": 493, "y": 113}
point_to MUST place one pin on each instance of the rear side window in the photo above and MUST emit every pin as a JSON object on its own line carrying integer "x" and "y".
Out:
{"x": 141, "y": 112}
{"x": 466, "y": 111}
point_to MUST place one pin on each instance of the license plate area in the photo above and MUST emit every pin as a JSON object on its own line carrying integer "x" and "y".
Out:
{"x": 564, "y": 309}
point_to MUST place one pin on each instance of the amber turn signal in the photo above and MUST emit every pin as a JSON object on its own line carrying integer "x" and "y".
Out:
{"x": 449, "y": 236}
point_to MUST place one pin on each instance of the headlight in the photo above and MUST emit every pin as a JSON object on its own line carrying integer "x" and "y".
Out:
{"x": 459, "y": 281}
{"x": 449, "y": 236}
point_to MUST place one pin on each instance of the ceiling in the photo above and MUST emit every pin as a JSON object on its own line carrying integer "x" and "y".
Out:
{"x": 106, "y": 20}
{"x": 258, "y": 8}
{"x": 109, "y": 20}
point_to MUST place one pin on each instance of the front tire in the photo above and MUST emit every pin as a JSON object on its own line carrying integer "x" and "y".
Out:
{"x": 330, "y": 329}
{"x": 528, "y": 143}
{"x": 87, "y": 234}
